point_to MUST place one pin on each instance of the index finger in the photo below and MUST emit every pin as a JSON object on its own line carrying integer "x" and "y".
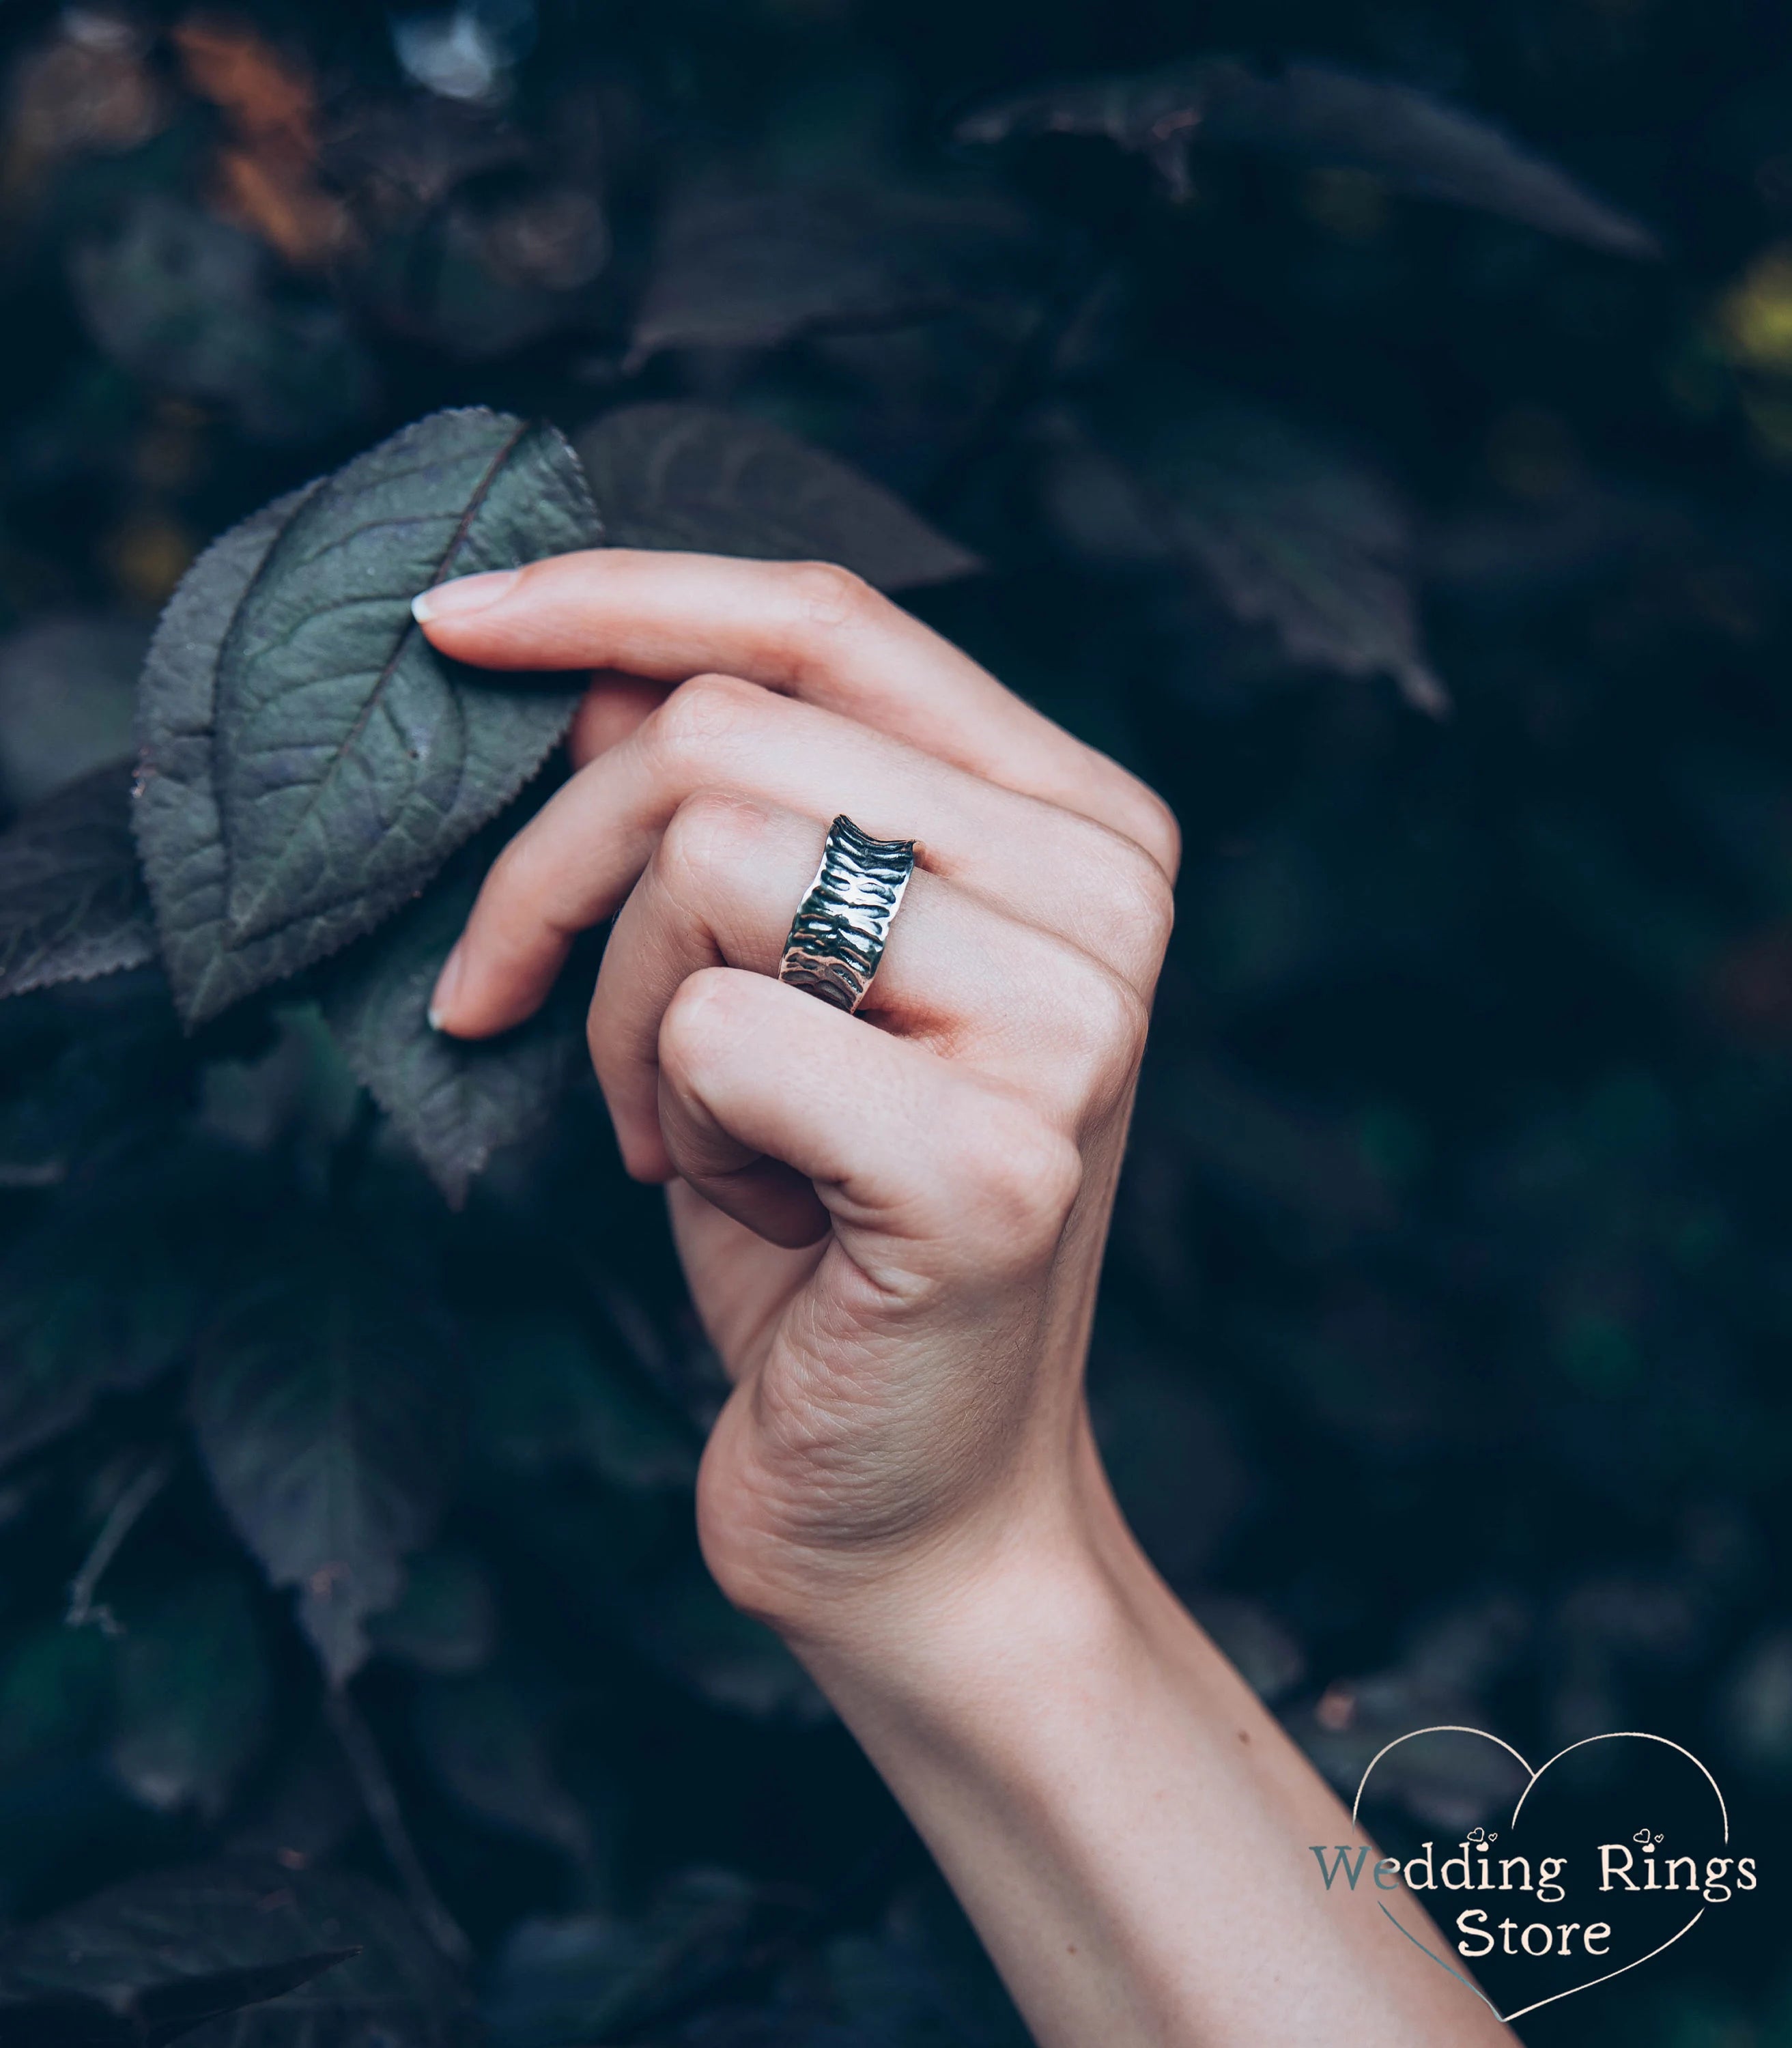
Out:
{"x": 806, "y": 629}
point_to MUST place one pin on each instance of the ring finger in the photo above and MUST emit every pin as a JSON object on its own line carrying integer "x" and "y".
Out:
{"x": 1018, "y": 1002}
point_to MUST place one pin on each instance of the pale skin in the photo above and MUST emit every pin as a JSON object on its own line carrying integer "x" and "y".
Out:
{"x": 892, "y": 1225}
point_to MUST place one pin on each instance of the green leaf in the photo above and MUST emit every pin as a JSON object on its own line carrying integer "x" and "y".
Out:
{"x": 1286, "y": 531}
{"x": 445, "y": 1620}
{"x": 596, "y": 1977}
{"x": 107, "y": 1292}
{"x": 114, "y": 1080}
{"x": 53, "y": 1684}
{"x": 1316, "y": 112}
{"x": 193, "y": 1694}
{"x": 753, "y": 268}
{"x": 155, "y": 2015}
{"x": 692, "y": 477}
{"x": 68, "y": 698}
{"x": 325, "y": 1405}
{"x": 350, "y": 758}
{"x": 545, "y": 1398}
{"x": 481, "y": 280}
{"x": 491, "y": 1749}
{"x": 146, "y": 1941}
{"x": 454, "y": 1101}
{"x": 339, "y": 759}
{"x": 72, "y": 903}
{"x": 299, "y": 1092}
{"x": 179, "y": 829}
{"x": 922, "y": 1979}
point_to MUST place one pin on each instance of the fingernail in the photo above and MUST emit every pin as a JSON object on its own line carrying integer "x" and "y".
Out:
{"x": 464, "y": 594}
{"x": 448, "y": 984}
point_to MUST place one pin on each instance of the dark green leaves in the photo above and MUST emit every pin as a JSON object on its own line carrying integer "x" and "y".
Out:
{"x": 54, "y": 1698}
{"x": 107, "y": 1292}
{"x": 454, "y": 1101}
{"x": 693, "y": 477}
{"x": 150, "y": 2015}
{"x": 175, "y": 1939}
{"x": 545, "y": 1397}
{"x": 192, "y": 305}
{"x": 684, "y": 1625}
{"x": 1327, "y": 116}
{"x": 309, "y": 761}
{"x": 1286, "y": 531}
{"x": 324, "y": 1406}
{"x": 180, "y": 828}
{"x": 490, "y": 1746}
{"x": 596, "y": 1977}
{"x": 350, "y": 759}
{"x": 68, "y": 698}
{"x": 193, "y": 1694}
{"x": 446, "y": 1620}
{"x": 753, "y": 268}
{"x": 72, "y": 903}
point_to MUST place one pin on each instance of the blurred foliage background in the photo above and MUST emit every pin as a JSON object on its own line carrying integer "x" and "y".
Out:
{"x": 1430, "y": 557}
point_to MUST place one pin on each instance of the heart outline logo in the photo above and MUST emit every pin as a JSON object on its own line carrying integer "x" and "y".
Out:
{"x": 1612, "y": 1735}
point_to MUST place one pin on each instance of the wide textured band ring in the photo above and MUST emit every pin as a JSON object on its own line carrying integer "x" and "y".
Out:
{"x": 837, "y": 936}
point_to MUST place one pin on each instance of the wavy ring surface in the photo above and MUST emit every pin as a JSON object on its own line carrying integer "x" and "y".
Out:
{"x": 838, "y": 934}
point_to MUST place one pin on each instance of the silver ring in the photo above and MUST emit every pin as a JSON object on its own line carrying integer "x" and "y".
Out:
{"x": 837, "y": 936}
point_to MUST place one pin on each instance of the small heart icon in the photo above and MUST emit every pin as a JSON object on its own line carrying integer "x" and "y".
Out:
{"x": 1571, "y": 1898}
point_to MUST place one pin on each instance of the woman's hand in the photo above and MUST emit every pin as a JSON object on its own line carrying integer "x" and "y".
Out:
{"x": 892, "y": 1222}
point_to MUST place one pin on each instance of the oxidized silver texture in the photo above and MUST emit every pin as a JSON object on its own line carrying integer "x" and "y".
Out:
{"x": 837, "y": 936}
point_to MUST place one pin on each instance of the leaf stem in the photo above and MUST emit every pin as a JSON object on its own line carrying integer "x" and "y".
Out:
{"x": 127, "y": 1510}
{"x": 374, "y": 1784}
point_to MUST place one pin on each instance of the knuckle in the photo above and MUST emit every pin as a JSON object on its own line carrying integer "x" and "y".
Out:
{"x": 826, "y": 595}
{"x": 1143, "y": 898}
{"x": 1111, "y": 1019}
{"x": 514, "y": 876}
{"x": 1155, "y": 826}
{"x": 700, "y": 714}
{"x": 532, "y": 576}
{"x": 1020, "y": 1178}
{"x": 708, "y": 837}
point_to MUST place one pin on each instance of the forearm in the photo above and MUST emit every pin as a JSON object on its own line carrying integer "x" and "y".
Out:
{"x": 1126, "y": 1826}
{"x": 893, "y": 1225}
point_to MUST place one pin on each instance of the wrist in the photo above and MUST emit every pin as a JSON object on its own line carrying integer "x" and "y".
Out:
{"x": 1042, "y": 1573}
